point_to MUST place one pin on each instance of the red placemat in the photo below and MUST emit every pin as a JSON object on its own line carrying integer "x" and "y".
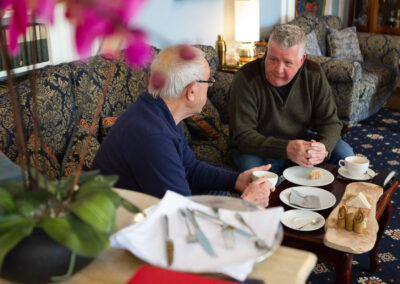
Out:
{"x": 148, "y": 274}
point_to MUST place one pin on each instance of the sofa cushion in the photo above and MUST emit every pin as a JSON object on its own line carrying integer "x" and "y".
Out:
{"x": 218, "y": 94}
{"x": 312, "y": 47}
{"x": 75, "y": 148}
{"x": 48, "y": 163}
{"x": 344, "y": 44}
{"x": 321, "y": 29}
{"x": 56, "y": 110}
{"x": 385, "y": 75}
{"x": 207, "y": 124}
{"x": 214, "y": 152}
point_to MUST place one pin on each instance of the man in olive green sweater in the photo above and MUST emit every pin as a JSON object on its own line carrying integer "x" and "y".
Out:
{"x": 282, "y": 110}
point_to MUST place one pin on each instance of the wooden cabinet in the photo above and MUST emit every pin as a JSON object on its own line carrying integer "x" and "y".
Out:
{"x": 375, "y": 16}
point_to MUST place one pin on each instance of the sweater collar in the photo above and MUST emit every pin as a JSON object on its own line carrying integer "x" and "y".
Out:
{"x": 161, "y": 107}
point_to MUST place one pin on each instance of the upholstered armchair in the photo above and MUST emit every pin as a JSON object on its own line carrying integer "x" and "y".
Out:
{"x": 361, "y": 87}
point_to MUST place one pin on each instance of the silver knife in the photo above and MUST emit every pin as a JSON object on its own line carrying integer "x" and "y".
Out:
{"x": 169, "y": 245}
{"x": 222, "y": 223}
{"x": 199, "y": 234}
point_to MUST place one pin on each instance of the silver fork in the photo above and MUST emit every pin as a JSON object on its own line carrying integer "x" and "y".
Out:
{"x": 190, "y": 237}
{"x": 260, "y": 243}
{"x": 227, "y": 232}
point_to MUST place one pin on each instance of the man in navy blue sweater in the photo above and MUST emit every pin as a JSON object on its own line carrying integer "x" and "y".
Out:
{"x": 147, "y": 147}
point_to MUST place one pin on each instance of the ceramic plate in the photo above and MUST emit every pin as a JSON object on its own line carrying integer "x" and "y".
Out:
{"x": 326, "y": 198}
{"x": 296, "y": 218}
{"x": 299, "y": 175}
{"x": 367, "y": 176}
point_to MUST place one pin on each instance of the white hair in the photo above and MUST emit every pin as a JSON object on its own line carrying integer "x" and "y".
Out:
{"x": 287, "y": 36}
{"x": 176, "y": 72}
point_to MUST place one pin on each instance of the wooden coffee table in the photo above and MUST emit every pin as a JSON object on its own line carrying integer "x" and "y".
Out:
{"x": 313, "y": 241}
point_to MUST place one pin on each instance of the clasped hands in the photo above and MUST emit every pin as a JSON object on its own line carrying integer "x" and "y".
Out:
{"x": 256, "y": 191}
{"x": 306, "y": 153}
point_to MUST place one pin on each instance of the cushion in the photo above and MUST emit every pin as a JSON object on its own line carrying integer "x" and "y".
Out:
{"x": 207, "y": 124}
{"x": 48, "y": 163}
{"x": 105, "y": 125}
{"x": 312, "y": 46}
{"x": 344, "y": 44}
{"x": 75, "y": 148}
{"x": 9, "y": 170}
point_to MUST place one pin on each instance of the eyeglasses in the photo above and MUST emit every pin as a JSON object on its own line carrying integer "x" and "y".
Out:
{"x": 210, "y": 82}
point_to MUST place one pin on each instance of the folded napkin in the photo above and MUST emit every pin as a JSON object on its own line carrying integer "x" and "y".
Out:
{"x": 146, "y": 239}
{"x": 303, "y": 200}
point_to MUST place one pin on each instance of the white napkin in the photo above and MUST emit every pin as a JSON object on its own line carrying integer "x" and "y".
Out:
{"x": 146, "y": 239}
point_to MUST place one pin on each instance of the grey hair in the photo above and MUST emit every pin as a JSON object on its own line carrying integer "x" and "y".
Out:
{"x": 287, "y": 36}
{"x": 177, "y": 73}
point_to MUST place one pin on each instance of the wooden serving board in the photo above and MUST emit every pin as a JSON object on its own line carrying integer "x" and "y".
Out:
{"x": 351, "y": 242}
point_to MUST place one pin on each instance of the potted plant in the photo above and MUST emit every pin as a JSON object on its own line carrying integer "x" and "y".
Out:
{"x": 71, "y": 218}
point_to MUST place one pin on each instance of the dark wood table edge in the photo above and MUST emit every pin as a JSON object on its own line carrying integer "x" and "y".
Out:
{"x": 340, "y": 261}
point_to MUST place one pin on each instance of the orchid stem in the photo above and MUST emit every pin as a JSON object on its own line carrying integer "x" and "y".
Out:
{"x": 14, "y": 104}
{"x": 95, "y": 120}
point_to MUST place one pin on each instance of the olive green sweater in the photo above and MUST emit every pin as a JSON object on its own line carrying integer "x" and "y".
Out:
{"x": 261, "y": 123}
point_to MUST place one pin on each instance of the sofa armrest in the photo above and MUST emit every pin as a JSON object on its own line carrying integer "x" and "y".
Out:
{"x": 338, "y": 70}
{"x": 380, "y": 48}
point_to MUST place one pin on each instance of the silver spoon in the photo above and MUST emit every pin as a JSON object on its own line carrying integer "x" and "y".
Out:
{"x": 260, "y": 243}
{"x": 190, "y": 237}
{"x": 314, "y": 221}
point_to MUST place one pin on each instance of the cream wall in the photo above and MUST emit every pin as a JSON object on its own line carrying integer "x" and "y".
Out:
{"x": 169, "y": 22}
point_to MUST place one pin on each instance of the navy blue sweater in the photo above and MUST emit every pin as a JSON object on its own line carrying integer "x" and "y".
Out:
{"x": 150, "y": 154}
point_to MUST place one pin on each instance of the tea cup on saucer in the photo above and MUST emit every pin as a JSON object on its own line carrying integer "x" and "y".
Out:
{"x": 355, "y": 165}
{"x": 271, "y": 176}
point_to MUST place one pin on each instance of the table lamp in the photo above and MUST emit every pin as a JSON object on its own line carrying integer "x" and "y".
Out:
{"x": 247, "y": 28}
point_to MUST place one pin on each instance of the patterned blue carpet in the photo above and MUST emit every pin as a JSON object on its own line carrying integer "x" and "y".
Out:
{"x": 378, "y": 138}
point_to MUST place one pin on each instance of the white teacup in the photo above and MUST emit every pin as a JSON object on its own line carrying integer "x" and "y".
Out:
{"x": 355, "y": 165}
{"x": 272, "y": 177}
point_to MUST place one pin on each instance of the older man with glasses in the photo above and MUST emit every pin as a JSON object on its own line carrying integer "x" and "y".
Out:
{"x": 147, "y": 148}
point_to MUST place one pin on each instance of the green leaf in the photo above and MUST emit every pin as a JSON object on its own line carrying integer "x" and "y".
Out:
{"x": 43, "y": 181}
{"x": 97, "y": 209}
{"x": 129, "y": 206}
{"x": 12, "y": 187}
{"x": 6, "y": 200}
{"x": 10, "y": 238}
{"x": 76, "y": 235}
{"x": 110, "y": 180}
{"x": 10, "y": 221}
{"x": 27, "y": 202}
{"x": 95, "y": 187}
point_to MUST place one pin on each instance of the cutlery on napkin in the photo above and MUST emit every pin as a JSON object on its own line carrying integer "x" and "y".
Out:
{"x": 205, "y": 243}
{"x": 169, "y": 244}
{"x": 303, "y": 200}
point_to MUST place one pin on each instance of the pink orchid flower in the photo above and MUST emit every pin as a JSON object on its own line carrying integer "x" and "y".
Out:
{"x": 105, "y": 19}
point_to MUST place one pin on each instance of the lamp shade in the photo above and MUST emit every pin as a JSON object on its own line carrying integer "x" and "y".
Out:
{"x": 247, "y": 20}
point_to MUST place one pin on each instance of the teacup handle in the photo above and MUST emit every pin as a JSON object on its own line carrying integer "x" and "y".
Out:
{"x": 341, "y": 163}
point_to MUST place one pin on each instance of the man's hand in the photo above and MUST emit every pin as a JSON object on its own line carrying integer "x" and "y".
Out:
{"x": 306, "y": 153}
{"x": 258, "y": 192}
{"x": 317, "y": 153}
{"x": 244, "y": 178}
{"x": 297, "y": 152}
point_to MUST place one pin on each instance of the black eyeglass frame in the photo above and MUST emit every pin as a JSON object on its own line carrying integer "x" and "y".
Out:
{"x": 210, "y": 82}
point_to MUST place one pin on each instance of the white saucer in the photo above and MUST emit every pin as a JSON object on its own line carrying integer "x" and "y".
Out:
{"x": 367, "y": 176}
{"x": 296, "y": 218}
{"x": 326, "y": 198}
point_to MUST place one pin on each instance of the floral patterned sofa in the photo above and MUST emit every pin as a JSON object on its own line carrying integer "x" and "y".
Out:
{"x": 67, "y": 98}
{"x": 360, "y": 88}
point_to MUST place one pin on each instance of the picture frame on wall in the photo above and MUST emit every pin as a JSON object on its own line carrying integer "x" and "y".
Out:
{"x": 314, "y": 6}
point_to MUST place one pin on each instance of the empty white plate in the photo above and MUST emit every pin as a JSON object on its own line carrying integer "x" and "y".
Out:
{"x": 294, "y": 219}
{"x": 326, "y": 198}
{"x": 300, "y": 175}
